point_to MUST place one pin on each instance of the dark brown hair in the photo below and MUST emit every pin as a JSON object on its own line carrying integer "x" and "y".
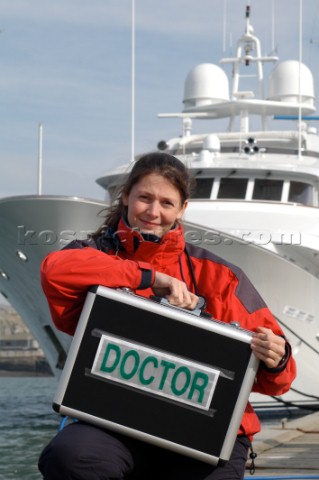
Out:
{"x": 159, "y": 163}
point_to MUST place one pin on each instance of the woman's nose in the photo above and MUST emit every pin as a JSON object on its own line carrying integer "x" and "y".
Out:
{"x": 153, "y": 209}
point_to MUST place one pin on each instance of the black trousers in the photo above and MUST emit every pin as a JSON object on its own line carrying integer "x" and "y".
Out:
{"x": 86, "y": 452}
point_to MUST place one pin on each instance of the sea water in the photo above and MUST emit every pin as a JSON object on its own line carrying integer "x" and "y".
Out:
{"x": 27, "y": 423}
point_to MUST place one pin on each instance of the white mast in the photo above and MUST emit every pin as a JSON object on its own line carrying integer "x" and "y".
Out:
{"x": 133, "y": 85}
{"x": 299, "y": 79}
{"x": 248, "y": 51}
{"x": 40, "y": 160}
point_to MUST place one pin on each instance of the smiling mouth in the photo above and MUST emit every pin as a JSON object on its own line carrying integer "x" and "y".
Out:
{"x": 151, "y": 224}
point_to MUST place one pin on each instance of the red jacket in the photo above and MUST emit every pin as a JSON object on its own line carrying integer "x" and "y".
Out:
{"x": 128, "y": 260}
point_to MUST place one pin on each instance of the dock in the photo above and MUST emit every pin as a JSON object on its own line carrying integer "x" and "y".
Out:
{"x": 287, "y": 450}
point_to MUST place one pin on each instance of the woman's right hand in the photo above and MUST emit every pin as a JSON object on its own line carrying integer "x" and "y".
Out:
{"x": 174, "y": 290}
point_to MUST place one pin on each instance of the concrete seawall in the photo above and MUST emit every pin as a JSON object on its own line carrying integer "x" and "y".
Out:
{"x": 20, "y": 354}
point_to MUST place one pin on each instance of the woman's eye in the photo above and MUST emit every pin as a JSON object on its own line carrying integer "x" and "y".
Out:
{"x": 144, "y": 198}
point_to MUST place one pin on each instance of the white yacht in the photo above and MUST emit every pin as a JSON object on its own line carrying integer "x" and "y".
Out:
{"x": 256, "y": 203}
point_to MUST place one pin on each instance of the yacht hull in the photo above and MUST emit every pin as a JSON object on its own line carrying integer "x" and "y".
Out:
{"x": 31, "y": 227}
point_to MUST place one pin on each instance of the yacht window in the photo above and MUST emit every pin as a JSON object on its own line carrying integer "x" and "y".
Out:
{"x": 233, "y": 188}
{"x": 300, "y": 192}
{"x": 203, "y": 188}
{"x": 267, "y": 189}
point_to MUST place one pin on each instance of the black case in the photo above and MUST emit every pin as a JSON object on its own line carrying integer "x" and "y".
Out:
{"x": 158, "y": 373}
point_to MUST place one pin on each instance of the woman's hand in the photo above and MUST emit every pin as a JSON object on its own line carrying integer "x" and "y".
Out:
{"x": 268, "y": 347}
{"x": 174, "y": 290}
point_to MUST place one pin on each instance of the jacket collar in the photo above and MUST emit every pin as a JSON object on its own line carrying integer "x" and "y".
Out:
{"x": 172, "y": 243}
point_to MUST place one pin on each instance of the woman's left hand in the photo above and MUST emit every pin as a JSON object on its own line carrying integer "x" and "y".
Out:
{"x": 268, "y": 347}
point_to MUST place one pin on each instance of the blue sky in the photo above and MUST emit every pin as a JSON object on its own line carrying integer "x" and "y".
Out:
{"x": 67, "y": 64}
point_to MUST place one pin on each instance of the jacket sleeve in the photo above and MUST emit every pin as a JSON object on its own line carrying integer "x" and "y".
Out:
{"x": 273, "y": 381}
{"x": 246, "y": 305}
{"x": 238, "y": 300}
{"x": 67, "y": 275}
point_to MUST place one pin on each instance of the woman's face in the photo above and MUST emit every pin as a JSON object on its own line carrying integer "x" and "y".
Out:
{"x": 154, "y": 205}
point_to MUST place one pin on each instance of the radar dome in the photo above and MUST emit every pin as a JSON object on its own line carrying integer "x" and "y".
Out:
{"x": 205, "y": 84}
{"x": 284, "y": 83}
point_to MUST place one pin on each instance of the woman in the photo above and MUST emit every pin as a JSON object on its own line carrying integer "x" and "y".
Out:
{"x": 141, "y": 246}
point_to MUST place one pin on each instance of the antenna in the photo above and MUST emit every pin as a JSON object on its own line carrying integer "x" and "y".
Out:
{"x": 133, "y": 85}
{"x": 40, "y": 160}
{"x": 273, "y": 26}
{"x": 224, "y": 26}
{"x": 299, "y": 77}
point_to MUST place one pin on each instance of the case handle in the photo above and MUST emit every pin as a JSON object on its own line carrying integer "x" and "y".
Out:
{"x": 198, "y": 311}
